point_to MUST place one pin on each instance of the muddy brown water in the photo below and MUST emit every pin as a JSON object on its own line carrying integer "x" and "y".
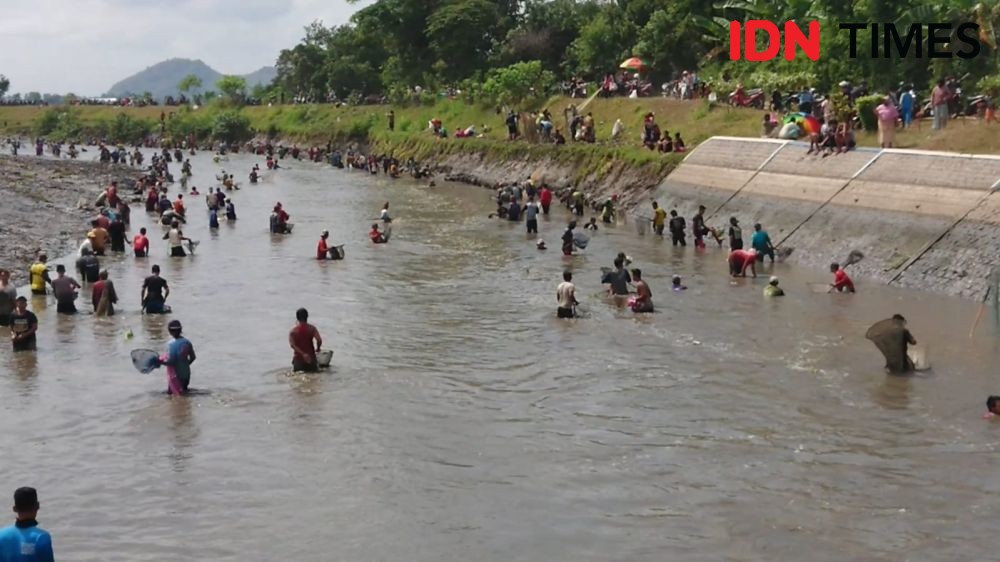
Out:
{"x": 461, "y": 420}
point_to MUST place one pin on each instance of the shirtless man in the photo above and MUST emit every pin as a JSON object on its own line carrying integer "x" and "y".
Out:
{"x": 566, "y": 295}
{"x": 644, "y": 297}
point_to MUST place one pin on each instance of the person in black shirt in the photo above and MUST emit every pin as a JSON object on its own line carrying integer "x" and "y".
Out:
{"x": 677, "y": 227}
{"x": 23, "y": 324}
{"x": 116, "y": 230}
{"x": 154, "y": 293}
{"x": 89, "y": 266}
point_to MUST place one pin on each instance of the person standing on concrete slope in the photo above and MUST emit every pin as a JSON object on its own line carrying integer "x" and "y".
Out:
{"x": 566, "y": 296}
{"x": 699, "y": 229}
{"x": 25, "y": 541}
{"x": 841, "y": 282}
{"x": 531, "y": 215}
{"x": 735, "y": 235}
{"x": 659, "y": 219}
{"x": 761, "y": 242}
{"x": 677, "y": 227}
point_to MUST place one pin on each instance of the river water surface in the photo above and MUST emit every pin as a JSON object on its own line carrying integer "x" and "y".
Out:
{"x": 461, "y": 420}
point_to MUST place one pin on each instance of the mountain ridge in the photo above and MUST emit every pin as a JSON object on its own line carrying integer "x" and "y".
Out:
{"x": 161, "y": 79}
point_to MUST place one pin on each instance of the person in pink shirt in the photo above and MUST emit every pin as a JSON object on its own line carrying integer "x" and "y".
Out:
{"x": 886, "y": 114}
{"x": 939, "y": 100}
{"x": 740, "y": 261}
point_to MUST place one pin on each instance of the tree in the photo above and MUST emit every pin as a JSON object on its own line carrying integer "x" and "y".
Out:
{"x": 603, "y": 43}
{"x": 4, "y": 85}
{"x": 232, "y": 88}
{"x": 189, "y": 83}
{"x": 518, "y": 83}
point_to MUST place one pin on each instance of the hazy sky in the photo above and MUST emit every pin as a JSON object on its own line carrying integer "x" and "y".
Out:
{"x": 85, "y": 46}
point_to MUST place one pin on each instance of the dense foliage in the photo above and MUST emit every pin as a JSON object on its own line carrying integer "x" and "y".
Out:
{"x": 396, "y": 45}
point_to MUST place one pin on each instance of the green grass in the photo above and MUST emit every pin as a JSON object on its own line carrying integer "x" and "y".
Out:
{"x": 695, "y": 120}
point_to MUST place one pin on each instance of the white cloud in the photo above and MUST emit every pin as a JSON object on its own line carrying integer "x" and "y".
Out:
{"x": 84, "y": 46}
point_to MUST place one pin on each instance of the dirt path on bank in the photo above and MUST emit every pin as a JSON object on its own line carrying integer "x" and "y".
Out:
{"x": 45, "y": 205}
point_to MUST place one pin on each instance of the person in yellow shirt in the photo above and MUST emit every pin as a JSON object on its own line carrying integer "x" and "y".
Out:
{"x": 39, "y": 275}
{"x": 98, "y": 237}
{"x": 659, "y": 219}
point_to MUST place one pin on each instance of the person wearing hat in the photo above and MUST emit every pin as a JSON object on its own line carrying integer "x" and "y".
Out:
{"x": 735, "y": 235}
{"x": 540, "y": 244}
{"x": 39, "y": 275}
{"x": 25, "y": 541}
{"x": 23, "y": 325}
{"x": 178, "y": 359}
{"x": 772, "y": 289}
{"x": 741, "y": 260}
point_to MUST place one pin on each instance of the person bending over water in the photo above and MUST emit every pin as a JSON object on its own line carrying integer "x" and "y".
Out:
{"x": 740, "y": 261}
{"x": 300, "y": 339}
{"x": 376, "y": 236}
{"x": 841, "y": 282}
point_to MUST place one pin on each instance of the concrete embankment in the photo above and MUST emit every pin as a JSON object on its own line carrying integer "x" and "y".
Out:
{"x": 923, "y": 219}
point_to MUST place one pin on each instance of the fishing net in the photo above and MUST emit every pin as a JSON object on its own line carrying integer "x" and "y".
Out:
{"x": 889, "y": 336}
{"x": 145, "y": 360}
{"x": 580, "y": 240}
{"x": 640, "y": 225}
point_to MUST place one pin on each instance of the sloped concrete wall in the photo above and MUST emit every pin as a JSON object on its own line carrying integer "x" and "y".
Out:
{"x": 923, "y": 219}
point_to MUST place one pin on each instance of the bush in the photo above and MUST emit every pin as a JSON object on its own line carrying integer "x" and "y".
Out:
{"x": 232, "y": 127}
{"x": 189, "y": 123}
{"x": 519, "y": 83}
{"x": 60, "y": 123}
{"x": 866, "y": 110}
{"x": 127, "y": 129}
{"x": 990, "y": 85}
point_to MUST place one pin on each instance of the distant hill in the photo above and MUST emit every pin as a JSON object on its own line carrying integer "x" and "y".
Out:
{"x": 162, "y": 78}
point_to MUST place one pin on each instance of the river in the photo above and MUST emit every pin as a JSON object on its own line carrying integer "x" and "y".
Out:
{"x": 462, "y": 420}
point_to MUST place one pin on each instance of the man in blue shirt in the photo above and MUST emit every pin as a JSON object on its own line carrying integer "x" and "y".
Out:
{"x": 761, "y": 242}
{"x": 25, "y": 541}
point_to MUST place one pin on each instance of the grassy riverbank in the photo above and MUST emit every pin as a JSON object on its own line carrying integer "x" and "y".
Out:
{"x": 307, "y": 124}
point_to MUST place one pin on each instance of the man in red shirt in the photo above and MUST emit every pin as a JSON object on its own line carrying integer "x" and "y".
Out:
{"x": 322, "y": 250}
{"x": 179, "y": 205}
{"x": 141, "y": 244}
{"x": 740, "y": 260}
{"x": 545, "y": 198}
{"x": 376, "y": 236}
{"x": 841, "y": 282}
{"x": 301, "y": 338}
